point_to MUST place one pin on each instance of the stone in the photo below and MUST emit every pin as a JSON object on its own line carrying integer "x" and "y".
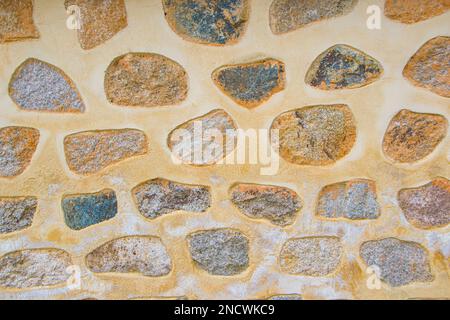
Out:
{"x": 429, "y": 67}
{"x": 145, "y": 80}
{"x": 343, "y": 67}
{"x": 84, "y": 210}
{"x": 290, "y": 15}
{"x": 311, "y": 256}
{"x": 34, "y": 268}
{"x": 251, "y": 84}
{"x": 214, "y": 22}
{"x": 354, "y": 199}
{"x": 16, "y": 213}
{"x": 285, "y": 297}
{"x": 17, "y": 146}
{"x": 145, "y": 255}
{"x": 315, "y": 135}
{"x": 204, "y": 140}
{"x": 16, "y": 21}
{"x": 400, "y": 262}
{"x": 89, "y": 152}
{"x": 157, "y": 197}
{"x": 412, "y": 11}
{"x": 427, "y": 206}
{"x": 223, "y": 252}
{"x": 411, "y": 136}
{"x": 99, "y": 20}
{"x": 278, "y": 205}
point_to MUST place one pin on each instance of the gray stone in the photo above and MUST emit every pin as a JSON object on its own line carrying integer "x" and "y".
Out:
{"x": 16, "y": 213}
{"x": 286, "y": 297}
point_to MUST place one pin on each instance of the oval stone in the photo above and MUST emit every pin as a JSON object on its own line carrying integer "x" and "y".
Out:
{"x": 412, "y": 11}
{"x": 16, "y": 21}
{"x": 16, "y": 213}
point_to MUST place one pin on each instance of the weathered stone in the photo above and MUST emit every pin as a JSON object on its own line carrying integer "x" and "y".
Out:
{"x": 99, "y": 20}
{"x": 133, "y": 254}
{"x": 16, "y": 213}
{"x": 279, "y": 205}
{"x": 343, "y": 67}
{"x": 222, "y": 252}
{"x": 214, "y": 22}
{"x": 204, "y": 140}
{"x": 289, "y": 15}
{"x": 39, "y": 86}
{"x": 145, "y": 80}
{"x": 412, "y": 136}
{"x": 34, "y": 268}
{"x": 17, "y": 146}
{"x": 429, "y": 66}
{"x": 158, "y": 197}
{"x": 91, "y": 151}
{"x": 427, "y": 206}
{"x": 355, "y": 199}
{"x": 315, "y": 135}
{"x": 84, "y": 210}
{"x": 400, "y": 262}
{"x": 412, "y": 11}
{"x": 311, "y": 256}
{"x": 251, "y": 84}
{"x": 286, "y": 297}
{"x": 16, "y": 21}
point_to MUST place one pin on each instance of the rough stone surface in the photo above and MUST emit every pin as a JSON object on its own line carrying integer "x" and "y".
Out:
{"x": 133, "y": 254}
{"x": 39, "y": 86}
{"x": 429, "y": 67}
{"x": 158, "y": 197}
{"x": 355, "y": 199}
{"x": 145, "y": 80}
{"x": 315, "y": 135}
{"x": 34, "y": 268}
{"x": 343, "y": 67}
{"x": 213, "y": 22}
{"x": 91, "y": 151}
{"x": 251, "y": 84}
{"x": 311, "y": 256}
{"x": 222, "y": 252}
{"x": 412, "y": 11}
{"x": 279, "y": 205}
{"x": 411, "y": 136}
{"x": 400, "y": 262}
{"x": 16, "y": 21}
{"x": 286, "y": 297}
{"x": 427, "y": 206}
{"x": 17, "y": 146}
{"x": 289, "y": 15}
{"x": 84, "y": 210}
{"x": 16, "y": 213}
{"x": 99, "y": 20}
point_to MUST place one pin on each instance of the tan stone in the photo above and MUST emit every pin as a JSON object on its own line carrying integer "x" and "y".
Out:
{"x": 412, "y": 11}
{"x": 16, "y": 21}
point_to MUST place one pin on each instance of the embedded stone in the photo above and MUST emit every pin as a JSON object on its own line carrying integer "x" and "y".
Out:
{"x": 145, "y": 80}
{"x": 400, "y": 262}
{"x": 39, "y": 86}
{"x": 286, "y": 297}
{"x": 91, "y": 151}
{"x": 429, "y": 67}
{"x": 132, "y": 254}
{"x": 99, "y": 20}
{"x": 84, "y": 210}
{"x": 311, "y": 256}
{"x": 17, "y": 146}
{"x": 214, "y": 22}
{"x": 16, "y": 21}
{"x": 204, "y": 140}
{"x": 16, "y": 213}
{"x": 343, "y": 67}
{"x": 278, "y": 205}
{"x": 411, "y": 136}
{"x": 251, "y": 84}
{"x": 412, "y": 11}
{"x": 355, "y": 200}
{"x": 157, "y": 197}
{"x": 34, "y": 268}
{"x": 290, "y": 15}
{"x": 222, "y": 252}
{"x": 315, "y": 135}
{"x": 427, "y": 206}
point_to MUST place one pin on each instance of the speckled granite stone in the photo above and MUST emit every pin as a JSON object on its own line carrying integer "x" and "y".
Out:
{"x": 16, "y": 213}
{"x": 412, "y": 11}
{"x": 16, "y": 21}
{"x": 285, "y": 297}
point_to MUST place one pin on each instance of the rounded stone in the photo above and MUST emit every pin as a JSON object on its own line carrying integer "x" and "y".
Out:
{"x": 285, "y": 297}
{"x": 16, "y": 213}
{"x": 16, "y": 21}
{"x": 412, "y": 11}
